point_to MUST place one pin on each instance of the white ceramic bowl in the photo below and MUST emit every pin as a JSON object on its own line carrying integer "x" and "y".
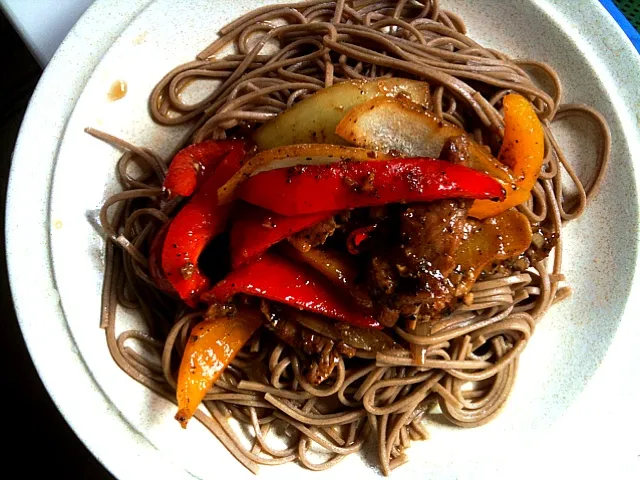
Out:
{"x": 574, "y": 384}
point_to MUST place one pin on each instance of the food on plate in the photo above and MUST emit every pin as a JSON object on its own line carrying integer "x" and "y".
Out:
{"x": 362, "y": 228}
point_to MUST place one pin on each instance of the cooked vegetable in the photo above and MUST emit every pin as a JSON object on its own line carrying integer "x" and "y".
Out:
{"x": 193, "y": 165}
{"x": 195, "y": 225}
{"x": 321, "y": 352}
{"x": 257, "y": 229}
{"x": 316, "y": 188}
{"x": 441, "y": 255}
{"x": 212, "y": 345}
{"x": 281, "y": 280}
{"x": 367, "y": 339}
{"x": 522, "y": 151}
{"x": 391, "y": 124}
{"x": 334, "y": 265}
{"x": 504, "y": 236}
{"x": 314, "y": 119}
{"x": 386, "y": 124}
{"x": 281, "y": 157}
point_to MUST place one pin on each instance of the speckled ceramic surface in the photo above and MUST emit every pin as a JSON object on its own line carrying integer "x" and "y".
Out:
{"x": 567, "y": 415}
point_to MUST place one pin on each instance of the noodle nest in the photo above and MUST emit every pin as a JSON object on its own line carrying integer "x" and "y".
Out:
{"x": 280, "y": 55}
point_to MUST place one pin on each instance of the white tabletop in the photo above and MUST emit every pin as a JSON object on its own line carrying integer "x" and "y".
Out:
{"x": 43, "y": 24}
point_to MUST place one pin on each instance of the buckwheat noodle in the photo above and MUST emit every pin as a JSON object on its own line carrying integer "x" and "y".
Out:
{"x": 469, "y": 359}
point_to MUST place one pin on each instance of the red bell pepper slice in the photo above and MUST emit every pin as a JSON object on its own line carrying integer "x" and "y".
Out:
{"x": 281, "y": 280}
{"x": 359, "y": 236}
{"x": 193, "y": 165}
{"x": 308, "y": 189}
{"x": 522, "y": 151}
{"x": 257, "y": 229}
{"x": 197, "y": 223}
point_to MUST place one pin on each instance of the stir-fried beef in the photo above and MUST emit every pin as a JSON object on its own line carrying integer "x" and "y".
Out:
{"x": 323, "y": 352}
{"x": 456, "y": 150}
{"x": 314, "y": 236}
{"x": 383, "y": 275}
{"x": 409, "y": 274}
{"x": 404, "y": 264}
{"x": 542, "y": 242}
{"x": 430, "y": 234}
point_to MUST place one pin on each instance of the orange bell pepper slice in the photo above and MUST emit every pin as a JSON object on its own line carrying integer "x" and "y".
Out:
{"x": 199, "y": 221}
{"x": 522, "y": 151}
{"x": 212, "y": 345}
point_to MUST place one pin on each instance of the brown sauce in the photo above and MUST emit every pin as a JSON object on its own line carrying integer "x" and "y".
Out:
{"x": 117, "y": 91}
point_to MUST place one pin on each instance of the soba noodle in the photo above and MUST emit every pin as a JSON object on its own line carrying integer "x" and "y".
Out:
{"x": 469, "y": 359}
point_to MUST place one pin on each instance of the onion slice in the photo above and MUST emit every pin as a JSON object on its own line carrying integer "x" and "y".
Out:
{"x": 314, "y": 119}
{"x": 304, "y": 154}
{"x": 367, "y": 339}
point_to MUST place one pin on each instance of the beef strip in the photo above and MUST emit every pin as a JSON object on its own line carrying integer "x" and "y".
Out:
{"x": 314, "y": 236}
{"x": 542, "y": 242}
{"x": 456, "y": 150}
{"x": 413, "y": 278}
{"x": 322, "y": 353}
{"x": 383, "y": 275}
{"x": 430, "y": 235}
